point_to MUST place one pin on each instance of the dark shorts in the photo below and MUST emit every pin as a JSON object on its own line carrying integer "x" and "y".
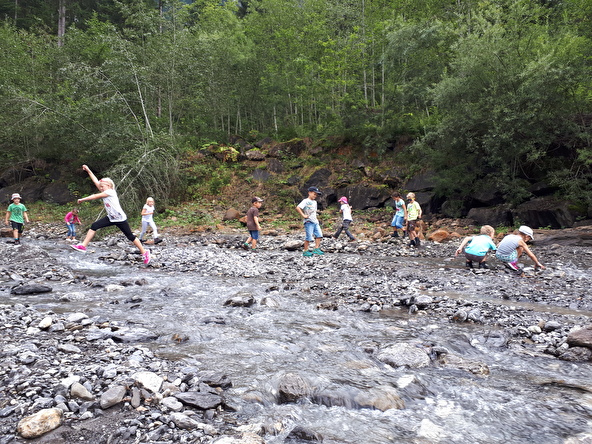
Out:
{"x": 17, "y": 226}
{"x": 254, "y": 234}
{"x": 123, "y": 226}
{"x": 474, "y": 258}
{"x": 411, "y": 224}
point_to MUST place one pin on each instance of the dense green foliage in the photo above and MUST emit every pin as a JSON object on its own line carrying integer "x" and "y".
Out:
{"x": 495, "y": 93}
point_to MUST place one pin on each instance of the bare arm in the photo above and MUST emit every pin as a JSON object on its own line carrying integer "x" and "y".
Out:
{"x": 7, "y": 217}
{"x": 462, "y": 245}
{"x": 91, "y": 175}
{"x": 26, "y": 216}
{"x": 256, "y": 219}
{"x": 304, "y": 216}
{"x": 531, "y": 255}
{"x": 93, "y": 197}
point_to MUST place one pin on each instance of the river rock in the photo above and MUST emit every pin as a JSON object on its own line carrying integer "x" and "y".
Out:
{"x": 45, "y": 323}
{"x": 203, "y": 401}
{"x": 576, "y": 354}
{"x": 240, "y": 300}
{"x": 183, "y": 421}
{"x": 581, "y": 337}
{"x": 148, "y": 380}
{"x": 468, "y": 365}
{"x": 381, "y": 398}
{"x": 40, "y": 423}
{"x": 30, "y": 289}
{"x": 292, "y": 387}
{"x": 245, "y": 438}
{"x": 404, "y": 355}
{"x": 77, "y": 390}
{"x": 293, "y": 245}
{"x": 299, "y": 434}
{"x": 112, "y": 396}
{"x": 171, "y": 403}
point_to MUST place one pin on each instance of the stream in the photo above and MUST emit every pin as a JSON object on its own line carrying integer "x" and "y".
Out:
{"x": 526, "y": 398}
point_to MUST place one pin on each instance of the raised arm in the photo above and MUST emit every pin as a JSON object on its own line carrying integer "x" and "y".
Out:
{"x": 91, "y": 175}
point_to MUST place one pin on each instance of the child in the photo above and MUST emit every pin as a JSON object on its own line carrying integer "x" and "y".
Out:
{"x": 478, "y": 247}
{"x": 513, "y": 245}
{"x": 71, "y": 220}
{"x": 147, "y": 220}
{"x": 413, "y": 214}
{"x": 400, "y": 215}
{"x": 17, "y": 215}
{"x": 253, "y": 224}
{"x": 308, "y": 210}
{"x": 346, "y": 214}
{"x": 115, "y": 215}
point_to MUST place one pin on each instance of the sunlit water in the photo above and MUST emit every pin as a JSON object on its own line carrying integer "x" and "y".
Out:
{"x": 256, "y": 346}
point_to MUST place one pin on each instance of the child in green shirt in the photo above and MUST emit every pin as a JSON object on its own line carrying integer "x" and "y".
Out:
{"x": 17, "y": 215}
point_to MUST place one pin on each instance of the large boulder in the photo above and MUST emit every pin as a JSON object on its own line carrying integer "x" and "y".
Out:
{"x": 57, "y": 192}
{"x": 422, "y": 182}
{"x": 499, "y": 215}
{"x": 365, "y": 196}
{"x": 545, "y": 212}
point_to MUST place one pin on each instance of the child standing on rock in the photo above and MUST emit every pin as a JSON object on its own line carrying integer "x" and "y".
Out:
{"x": 312, "y": 229}
{"x": 513, "y": 245}
{"x": 400, "y": 215}
{"x": 346, "y": 215}
{"x": 148, "y": 221}
{"x": 115, "y": 215}
{"x": 16, "y": 215}
{"x": 478, "y": 247}
{"x": 413, "y": 215}
{"x": 253, "y": 224}
{"x": 71, "y": 220}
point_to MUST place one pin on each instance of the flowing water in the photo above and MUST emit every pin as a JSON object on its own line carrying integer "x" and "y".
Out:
{"x": 525, "y": 399}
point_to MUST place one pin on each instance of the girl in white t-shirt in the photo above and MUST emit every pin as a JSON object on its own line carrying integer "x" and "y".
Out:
{"x": 148, "y": 221}
{"x": 346, "y": 214}
{"x": 115, "y": 215}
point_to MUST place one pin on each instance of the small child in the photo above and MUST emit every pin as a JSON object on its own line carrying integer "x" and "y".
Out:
{"x": 513, "y": 245}
{"x": 413, "y": 215}
{"x": 346, "y": 214}
{"x": 71, "y": 220}
{"x": 478, "y": 247}
{"x": 17, "y": 215}
{"x": 308, "y": 210}
{"x": 253, "y": 224}
{"x": 115, "y": 215}
{"x": 400, "y": 216}
{"x": 147, "y": 220}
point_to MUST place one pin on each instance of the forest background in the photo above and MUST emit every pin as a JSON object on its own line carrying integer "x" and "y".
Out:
{"x": 484, "y": 94}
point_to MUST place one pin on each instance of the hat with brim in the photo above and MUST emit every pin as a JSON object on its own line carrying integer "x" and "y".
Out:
{"x": 315, "y": 190}
{"x": 526, "y": 230}
{"x": 15, "y": 196}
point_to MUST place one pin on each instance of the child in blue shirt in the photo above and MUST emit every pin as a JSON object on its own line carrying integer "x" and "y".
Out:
{"x": 477, "y": 247}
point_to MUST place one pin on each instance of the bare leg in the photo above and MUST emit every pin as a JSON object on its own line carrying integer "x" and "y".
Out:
{"x": 306, "y": 244}
{"x": 254, "y": 244}
{"x": 138, "y": 244}
{"x": 89, "y": 235}
{"x": 317, "y": 242}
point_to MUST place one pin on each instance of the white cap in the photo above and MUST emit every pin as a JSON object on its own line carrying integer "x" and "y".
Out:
{"x": 15, "y": 196}
{"x": 526, "y": 230}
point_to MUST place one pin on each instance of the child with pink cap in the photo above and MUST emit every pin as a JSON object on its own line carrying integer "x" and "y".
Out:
{"x": 346, "y": 213}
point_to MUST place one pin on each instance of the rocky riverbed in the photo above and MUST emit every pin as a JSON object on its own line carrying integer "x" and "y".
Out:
{"x": 92, "y": 378}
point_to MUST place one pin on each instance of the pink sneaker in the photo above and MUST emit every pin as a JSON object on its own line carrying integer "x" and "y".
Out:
{"x": 146, "y": 257}
{"x": 512, "y": 266}
{"x": 79, "y": 247}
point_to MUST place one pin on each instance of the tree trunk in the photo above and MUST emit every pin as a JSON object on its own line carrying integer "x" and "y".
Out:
{"x": 61, "y": 21}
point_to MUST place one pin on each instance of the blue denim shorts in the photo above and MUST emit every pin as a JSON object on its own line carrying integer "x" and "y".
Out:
{"x": 398, "y": 221}
{"x": 312, "y": 230}
{"x": 254, "y": 234}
